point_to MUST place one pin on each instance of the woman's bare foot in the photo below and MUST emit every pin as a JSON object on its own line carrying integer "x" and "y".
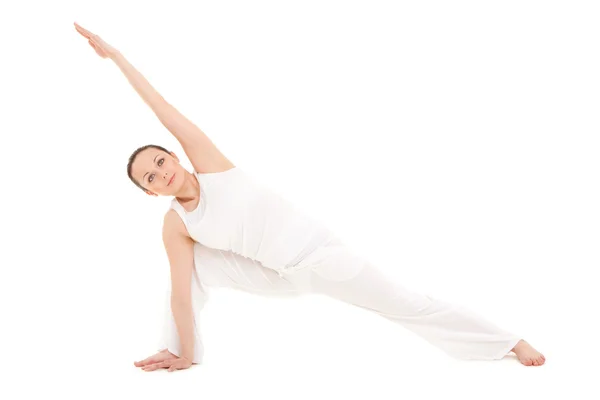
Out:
{"x": 528, "y": 355}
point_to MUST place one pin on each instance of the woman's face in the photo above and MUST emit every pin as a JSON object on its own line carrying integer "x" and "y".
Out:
{"x": 153, "y": 170}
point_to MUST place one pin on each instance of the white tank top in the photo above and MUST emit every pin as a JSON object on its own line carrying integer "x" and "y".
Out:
{"x": 239, "y": 214}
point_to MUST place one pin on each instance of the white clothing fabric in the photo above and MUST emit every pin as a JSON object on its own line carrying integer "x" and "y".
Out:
{"x": 239, "y": 214}
{"x": 334, "y": 270}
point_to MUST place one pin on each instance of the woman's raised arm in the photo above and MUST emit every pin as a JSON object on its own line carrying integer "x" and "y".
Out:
{"x": 201, "y": 151}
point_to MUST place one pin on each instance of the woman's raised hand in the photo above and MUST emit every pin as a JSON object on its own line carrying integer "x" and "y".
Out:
{"x": 103, "y": 49}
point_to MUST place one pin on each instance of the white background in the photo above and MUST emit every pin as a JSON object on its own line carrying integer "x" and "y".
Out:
{"x": 454, "y": 144}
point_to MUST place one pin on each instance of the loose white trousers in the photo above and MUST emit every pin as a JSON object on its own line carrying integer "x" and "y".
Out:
{"x": 335, "y": 271}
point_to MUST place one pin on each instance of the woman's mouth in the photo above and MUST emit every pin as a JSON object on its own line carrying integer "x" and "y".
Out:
{"x": 171, "y": 180}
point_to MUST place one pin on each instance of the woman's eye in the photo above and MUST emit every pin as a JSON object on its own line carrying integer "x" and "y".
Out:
{"x": 160, "y": 162}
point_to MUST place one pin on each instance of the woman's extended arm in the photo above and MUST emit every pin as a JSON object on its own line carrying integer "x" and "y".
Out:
{"x": 201, "y": 151}
{"x": 146, "y": 91}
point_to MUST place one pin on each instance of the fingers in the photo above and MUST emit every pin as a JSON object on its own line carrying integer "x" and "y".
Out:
{"x": 87, "y": 34}
{"x": 162, "y": 364}
{"x": 158, "y": 357}
{"x": 147, "y": 361}
{"x": 152, "y": 367}
{"x": 83, "y": 31}
{"x": 172, "y": 365}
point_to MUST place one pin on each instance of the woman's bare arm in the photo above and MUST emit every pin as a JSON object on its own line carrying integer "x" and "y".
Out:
{"x": 201, "y": 151}
{"x": 180, "y": 251}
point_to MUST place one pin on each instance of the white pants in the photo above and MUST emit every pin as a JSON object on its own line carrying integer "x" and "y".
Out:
{"x": 333, "y": 270}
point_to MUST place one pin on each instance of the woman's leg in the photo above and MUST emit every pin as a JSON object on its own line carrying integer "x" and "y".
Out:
{"x": 338, "y": 273}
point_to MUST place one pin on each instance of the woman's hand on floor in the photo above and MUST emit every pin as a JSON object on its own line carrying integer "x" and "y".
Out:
{"x": 163, "y": 359}
{"x": 159, "y": 357}
{"x": 172, "y": 364}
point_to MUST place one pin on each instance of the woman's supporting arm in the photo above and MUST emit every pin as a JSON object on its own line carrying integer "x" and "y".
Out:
{"x": 180, "y": 251}
{"x": 169, "y": 338}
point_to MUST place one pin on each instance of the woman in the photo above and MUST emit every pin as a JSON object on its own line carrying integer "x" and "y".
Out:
{"x": 224, "y": 228}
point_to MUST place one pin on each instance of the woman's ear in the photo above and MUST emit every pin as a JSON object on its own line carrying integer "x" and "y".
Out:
{"x": 174, "y": 156}
{"x": 150, "y": 193}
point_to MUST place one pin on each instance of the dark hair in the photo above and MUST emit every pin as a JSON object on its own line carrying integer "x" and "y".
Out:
{"x": 134, "y": 155}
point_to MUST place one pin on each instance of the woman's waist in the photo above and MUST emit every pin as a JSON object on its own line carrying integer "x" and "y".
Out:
{"x": 317, "y": 241}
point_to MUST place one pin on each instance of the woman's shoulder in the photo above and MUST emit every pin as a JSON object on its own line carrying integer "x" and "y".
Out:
{"x": 173, "y": 223}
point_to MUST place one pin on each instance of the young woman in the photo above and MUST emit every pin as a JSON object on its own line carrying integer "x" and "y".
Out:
{"x": 225, "y": 228}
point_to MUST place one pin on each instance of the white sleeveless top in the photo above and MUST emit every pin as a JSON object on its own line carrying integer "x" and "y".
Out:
{"x": 239, "y": 214}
